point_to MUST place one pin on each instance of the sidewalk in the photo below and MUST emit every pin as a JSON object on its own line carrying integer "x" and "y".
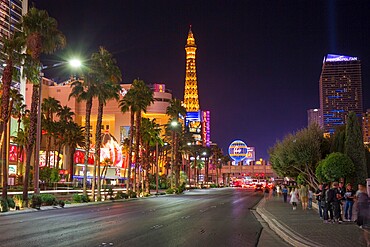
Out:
{"x": 304, "y": 228}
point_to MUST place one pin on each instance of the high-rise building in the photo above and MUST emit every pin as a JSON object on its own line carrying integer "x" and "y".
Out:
{"x": 314, "y": 117}
{"x": 340, "y": 90}
{"x": 191, "y": 100}
{"x": 366, "y": 126}
{"x": 11, "y": 12}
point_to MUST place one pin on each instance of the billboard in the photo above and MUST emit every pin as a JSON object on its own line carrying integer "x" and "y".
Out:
{"x": 194, "y": 125}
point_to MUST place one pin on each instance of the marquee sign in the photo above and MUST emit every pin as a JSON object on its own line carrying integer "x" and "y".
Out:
{"x": 238, "y": 150}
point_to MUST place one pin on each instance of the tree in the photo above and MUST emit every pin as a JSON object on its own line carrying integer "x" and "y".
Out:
{"x": 42, "y": 36}
{"x": 335, "y": 166}
{"x": 139, "y": 97}
{"x": 128, "y": 104}
{"x": 73, "y": 138}
{"x": 299, "y": 154}
{"x": 355, "y": 148}
{"x": 174, "y": 110}
{"x": 216, "y": 154}
{"x": 49, "y": 107}
{"x": 10, "y": 51}
{"x": 85, "y": 90}
{"x": 106, "y": 73}
{"x": 150, "y": 137}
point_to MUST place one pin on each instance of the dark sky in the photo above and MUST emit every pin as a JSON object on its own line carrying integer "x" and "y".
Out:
{"x": 258, "y": 62}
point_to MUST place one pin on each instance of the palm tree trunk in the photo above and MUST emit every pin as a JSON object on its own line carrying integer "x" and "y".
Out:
{"x": 7, "y": 79}
{"x": 87, "y": 142}
{"x": 98, "y": 145}
{"x": 71, "y": 170}
{"x": 19, "y": 170}
{"x": 31, "y": 140}
{"x": 137, "y": 148}
{"x": 129, "y": 156}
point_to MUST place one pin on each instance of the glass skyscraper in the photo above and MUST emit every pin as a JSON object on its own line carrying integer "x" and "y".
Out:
{"x": 340, "y": 90}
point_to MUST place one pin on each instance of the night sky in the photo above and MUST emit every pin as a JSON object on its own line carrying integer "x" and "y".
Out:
{"x": 258, "y": 62}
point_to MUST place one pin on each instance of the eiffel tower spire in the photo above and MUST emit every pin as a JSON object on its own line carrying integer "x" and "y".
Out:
{"x": 191, "y": 100}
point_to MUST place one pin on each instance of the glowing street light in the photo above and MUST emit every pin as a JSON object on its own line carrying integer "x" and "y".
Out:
{"x": 174, "y": 124}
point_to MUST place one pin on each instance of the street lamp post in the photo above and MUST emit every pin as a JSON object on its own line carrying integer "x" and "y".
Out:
{"x": 75, "y": 63}
{"x": 173, "y": 124}
{"x": 36, "y": 177}
{"x": 156, "y": 166}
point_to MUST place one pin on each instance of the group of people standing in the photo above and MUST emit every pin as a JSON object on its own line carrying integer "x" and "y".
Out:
{"x": 304, "y": 194}
{"x": 335, "y": 203}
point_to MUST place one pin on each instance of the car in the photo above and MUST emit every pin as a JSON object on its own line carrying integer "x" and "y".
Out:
{"x": 258, "y": 187}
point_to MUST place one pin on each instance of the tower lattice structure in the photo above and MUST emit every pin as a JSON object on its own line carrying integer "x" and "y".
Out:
{"x": 191, "y": 100}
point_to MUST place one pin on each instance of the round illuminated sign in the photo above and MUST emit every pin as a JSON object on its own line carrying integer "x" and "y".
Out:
{"x": 238, "y": 150}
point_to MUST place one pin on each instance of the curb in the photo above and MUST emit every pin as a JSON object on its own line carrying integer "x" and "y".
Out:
{"x": 283, "y": 231}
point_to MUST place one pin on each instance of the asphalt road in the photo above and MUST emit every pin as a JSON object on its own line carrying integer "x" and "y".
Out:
{"x": 213, "y": 217}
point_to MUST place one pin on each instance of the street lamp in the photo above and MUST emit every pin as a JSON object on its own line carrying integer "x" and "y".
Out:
{"x": 174, "y": 124}
{"x": 75, "y": 63}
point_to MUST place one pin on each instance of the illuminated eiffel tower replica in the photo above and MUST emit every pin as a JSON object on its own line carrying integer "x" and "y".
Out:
{"x": 197, "y": 121}
{"x": 191, "y": 100}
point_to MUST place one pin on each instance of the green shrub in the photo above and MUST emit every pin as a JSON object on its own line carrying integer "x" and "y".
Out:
{"x": 11, "y": 202}
{"x": 85, "y": 198}
{"x": 76, "y": 198}
{"x": 61, "y": 203}
{"x": 121, "y": 195}
{"x": 48, "y": 199}
{"x": 132, "y": 194}
{"x": 213, "y": 186}
{"x": 36, "y": 201}
{"x": 170, "y": 191}
{"x": 4, "y": 205}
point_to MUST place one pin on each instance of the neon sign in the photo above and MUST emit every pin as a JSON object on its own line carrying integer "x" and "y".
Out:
{"x": 339, "y": 58}
{"x": 238, "y": 150}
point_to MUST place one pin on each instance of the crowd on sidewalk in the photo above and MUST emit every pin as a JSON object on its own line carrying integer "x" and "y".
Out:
{"x": 335, "y": 202}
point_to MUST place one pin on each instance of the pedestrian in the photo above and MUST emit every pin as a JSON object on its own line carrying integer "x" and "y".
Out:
{"x": 267, "y": 192}
{"x": 327, "y": 210}
{"x": 342, "y": 201}
{"x": 273, "y": 190}
{"x": 284, "y": 190}
{"x": 310, "y": 197}
{"x": 303, "y": 194}
{"x": 318, "y": 200}
{"x": 294, "y": 197}
{"x": 362, "y": 206}
{"x": 349, "y": 196}
{"x": 334, "y": 197}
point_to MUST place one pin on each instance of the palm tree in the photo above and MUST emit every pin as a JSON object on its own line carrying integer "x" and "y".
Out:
{"x": 49, "y": 107}
{"x": 137, "y": 99}
{"x": 73, "y": 138}
{"x": 150, "y": 137}
{"x": 144, "y": 97}
{"x": 128, "y": 104}
{"x": 107, "y": 74}
{"x": 42, "y": 36}
{"x": 10, "y": 53}
{"x": 18, "y": 111}
{"x": 174, "y": 110}
{"x": 85, "y": 90}
{"x": 216, "y": 159}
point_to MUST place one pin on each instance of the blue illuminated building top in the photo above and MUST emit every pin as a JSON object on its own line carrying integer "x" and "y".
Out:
{"x": 339, "y": 58}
